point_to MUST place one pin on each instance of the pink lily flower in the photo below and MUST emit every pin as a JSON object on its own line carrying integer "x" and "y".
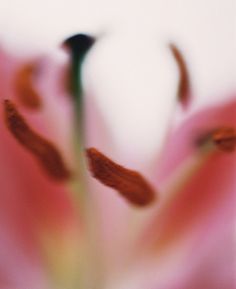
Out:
{"x": 169, "y": 227}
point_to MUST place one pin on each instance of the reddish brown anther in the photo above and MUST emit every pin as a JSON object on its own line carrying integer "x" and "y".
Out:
{"x": 25, "y": 88}
{"x": 44, "y": 151}
{"x": 130, "y": 184}
{"x": 184, "y": 91}
{"x": 225, "y": 138}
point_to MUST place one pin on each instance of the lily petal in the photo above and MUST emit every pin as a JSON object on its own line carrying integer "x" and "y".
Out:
{"x": 39, "y": 213}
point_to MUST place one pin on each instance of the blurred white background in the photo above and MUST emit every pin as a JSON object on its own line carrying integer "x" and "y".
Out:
{"x": 131, "y": 71}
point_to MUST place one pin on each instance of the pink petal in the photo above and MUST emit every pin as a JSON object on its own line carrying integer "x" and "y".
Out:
{"x": 32, "y": 205}
{"x": 196, "y": 220}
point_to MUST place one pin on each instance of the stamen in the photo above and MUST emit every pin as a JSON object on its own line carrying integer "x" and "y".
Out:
{"x": 184, "y": 91}
{"x": 44, "y": 151}
{"x": 130, "y": 184}
{"x": 225, "y": 138}
{"x": 25, "y": 89}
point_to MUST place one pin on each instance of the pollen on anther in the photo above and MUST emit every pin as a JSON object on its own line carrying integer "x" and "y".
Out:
{"x": 130, "y": 184}
{"x": 25, "y": 88}
{"x": 43, "y": 150}
{"x": 222, "y": 138}
{"x": 225, "y": 138}
{"x": 184, "y": 89}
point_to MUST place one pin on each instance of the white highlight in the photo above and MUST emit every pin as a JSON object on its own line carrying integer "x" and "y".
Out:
{"x": 131, "y": 71}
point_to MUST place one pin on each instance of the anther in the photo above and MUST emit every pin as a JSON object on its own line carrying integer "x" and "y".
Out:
{"x": 222, "y": 138}
{"x": 25, "y": 88}
{"x": 184, "y": 90}
{"x": 225, "y": 138}
{"x": 130, "y": 184}
{"x": 43, "y": 150}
